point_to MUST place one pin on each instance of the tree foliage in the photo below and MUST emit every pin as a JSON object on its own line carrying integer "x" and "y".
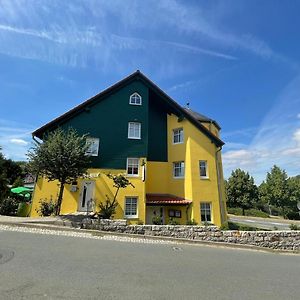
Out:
{"x": 278, "y": 194}
{"x": 108, "y": 208}
{"x": 241, "y": 190}
{"x": 60, "y": 157}
{"x": 276, "y": 188}
{"x": 3, "y": 178}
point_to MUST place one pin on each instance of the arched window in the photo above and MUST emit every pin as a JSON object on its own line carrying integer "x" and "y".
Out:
{"x": 135, "y": 99}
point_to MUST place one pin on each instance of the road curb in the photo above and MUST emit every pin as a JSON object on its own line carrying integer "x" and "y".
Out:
{"x": 149, "y": 237}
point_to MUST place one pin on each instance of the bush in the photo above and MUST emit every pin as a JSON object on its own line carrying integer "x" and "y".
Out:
{"x": 157, "y": 220}
{"x": 47, "y": 208}
{"x": 294, "y": 227}
{"x": 293, "y": 215}
{"x": 9, "y": 206}
{"x": 237, "y": 226}
{"x": 191, "y": 222}
{"x": 224, "y": 226}
{"x": 173, "y": 221}
{"x": 235, "y": 211}
{"x": 248, "y": 212}
{"x": 256, "y": 213}
{"x": 107, "y": 209}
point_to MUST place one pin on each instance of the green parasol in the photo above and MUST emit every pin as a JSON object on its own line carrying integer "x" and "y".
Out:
{"x": 22, "y": 191}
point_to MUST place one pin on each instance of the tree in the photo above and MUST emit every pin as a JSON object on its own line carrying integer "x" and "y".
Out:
{"x": 3, "y": 179}
{"x": 275, "y": 189}
{"x": 293, "y": 184}
{"x": 60, "y": 157}
{"x": 108, "y": 208}
{"x": 241, "y": 190}
{"x": 12, "y": 170}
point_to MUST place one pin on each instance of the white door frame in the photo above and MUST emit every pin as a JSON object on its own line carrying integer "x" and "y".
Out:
{"x": 86, "y": 196}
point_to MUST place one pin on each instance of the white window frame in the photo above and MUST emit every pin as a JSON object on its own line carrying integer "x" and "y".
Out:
{"x": 178, "y": 165}
{"x": 130, "y": 215}
{"x": 132, "y": 165}
{"x": 206, "y": 210}
{"x": 137, "y": 128}
{"x": 93, "y": 146}
{"x": 206, "y": 169}
{"x": 178, "y": 132}
{"x": 134, "y": 97}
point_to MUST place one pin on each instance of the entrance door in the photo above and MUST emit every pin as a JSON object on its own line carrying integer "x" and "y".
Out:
{"x": 155, "y": 212}
{"x": 86, "y": 196}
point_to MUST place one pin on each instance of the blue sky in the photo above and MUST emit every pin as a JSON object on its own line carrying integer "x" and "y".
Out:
{"x": 236, "y": 61}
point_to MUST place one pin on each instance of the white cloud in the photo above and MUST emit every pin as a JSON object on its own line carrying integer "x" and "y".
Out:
{"x": 18, "y": 142}
{"x": 238, "y": 158}
{"x": 277, "y": 140}
{"x": 296, "y": 136}
{"x": 69, "y": 39}
{"x": 14, "y": 139}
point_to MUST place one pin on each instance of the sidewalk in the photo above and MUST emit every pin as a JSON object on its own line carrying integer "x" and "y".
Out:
{"x": 70, "y": 226}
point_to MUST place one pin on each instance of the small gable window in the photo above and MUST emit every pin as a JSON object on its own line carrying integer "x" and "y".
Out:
{"x": 135, "y": 99}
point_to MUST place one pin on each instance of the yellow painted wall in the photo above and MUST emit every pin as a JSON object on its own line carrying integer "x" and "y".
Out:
{"x": 196, "y": 146}
{"x": 103, "y": 187}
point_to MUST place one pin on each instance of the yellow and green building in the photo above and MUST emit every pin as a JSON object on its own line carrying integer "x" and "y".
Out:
{"x": 171, "y": 155}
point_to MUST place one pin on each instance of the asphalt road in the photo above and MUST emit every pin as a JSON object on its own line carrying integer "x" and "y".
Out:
{"x": 35, "y": 266}
{"x": 264, "y": 223}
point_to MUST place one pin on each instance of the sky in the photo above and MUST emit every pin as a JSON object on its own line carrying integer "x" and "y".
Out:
{"x": 237, "y": 62}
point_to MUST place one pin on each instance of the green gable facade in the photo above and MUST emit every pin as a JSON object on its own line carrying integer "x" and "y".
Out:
{"x": 106, "y": 117}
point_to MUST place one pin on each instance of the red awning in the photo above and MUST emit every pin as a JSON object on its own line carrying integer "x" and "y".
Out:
{"x": 165, "y": 199}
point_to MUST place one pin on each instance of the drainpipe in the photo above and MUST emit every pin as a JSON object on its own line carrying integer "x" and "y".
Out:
{"x": 219, "y": 186}
{"x": 34, "y": 138}
{"x": 187, "y": 212}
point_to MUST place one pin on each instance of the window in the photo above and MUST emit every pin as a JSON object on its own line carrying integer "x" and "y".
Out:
{"x": 178, "y": 136}
{"x": 205, "y": 209}
{"x": 134, "y": 130}
{"x": 131, "y": 207}
{"x": 93, "y": 146}
{"x": 135, "y": 99}
{"x": 178, "y": 169}
{"x": 132, "y": 166}
{"x": 203, "y": 169}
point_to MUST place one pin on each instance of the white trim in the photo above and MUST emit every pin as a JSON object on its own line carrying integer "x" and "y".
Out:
{"x": 137, "y": 208}
{"x": 138, "y": 164}
{"x": 134, "y": 103}
{"x": 140, "y": 131}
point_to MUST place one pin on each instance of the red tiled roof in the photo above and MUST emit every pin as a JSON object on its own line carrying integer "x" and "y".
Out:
{"x": 165, "y": 199}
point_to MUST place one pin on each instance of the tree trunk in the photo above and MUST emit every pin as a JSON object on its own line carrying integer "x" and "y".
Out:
{"x": 59, "y": 199}
{"x": 243, "y": 211}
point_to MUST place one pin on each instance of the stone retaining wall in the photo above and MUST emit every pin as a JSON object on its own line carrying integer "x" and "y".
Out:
{"x": 281, "y": 240}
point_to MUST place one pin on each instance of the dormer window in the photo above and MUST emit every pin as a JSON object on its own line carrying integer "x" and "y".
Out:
{"x": 135, "y": 99}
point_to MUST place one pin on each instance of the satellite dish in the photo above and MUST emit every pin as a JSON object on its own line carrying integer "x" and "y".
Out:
{"x": 298, "y": 205}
